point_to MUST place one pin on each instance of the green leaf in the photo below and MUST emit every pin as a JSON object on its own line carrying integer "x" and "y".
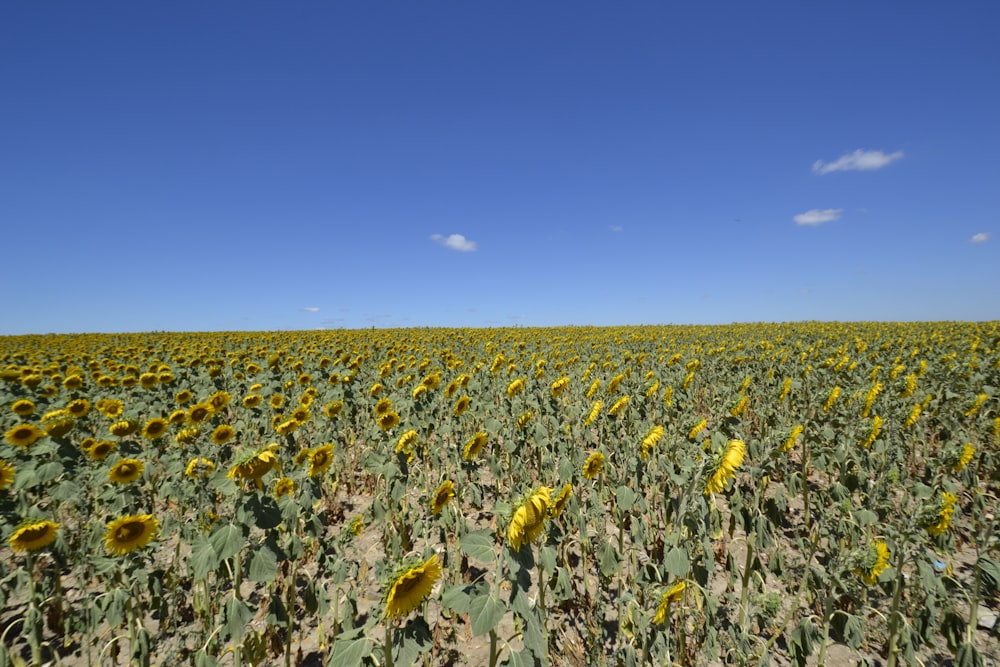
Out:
{"x": 458, "y": 598}
{"x": 227, "y": 541}
{"x": 607, "y": 559}
{"x": 479, "y": 545}
{"x": 238, "y": 617}
{"x": 676, "y": 562}
{"x": 204, "y": 559}
{"x": 485, "y": 612}
{"x": 349, "y": 651}
{"x": 263, "y": 566}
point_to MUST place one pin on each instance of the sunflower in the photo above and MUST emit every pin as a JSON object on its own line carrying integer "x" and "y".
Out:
{"x": 941, "y": 520}
{"x": 34, "y": 535}
{"x": 320, "y": 459}
{"x": 100, "y": 450}
{"x": 419, "y": 390}
{"x": 697, "y": 428}
{"x": 793, "y": 437}
{"x": 525, "y": 419}
{"x": 23, "y": 407}
{"x": 199, "y": 412}
{"x": 515, "y": 387}
{"x": 388, "y": 421}
{"x": 300, "y": 415}
{"x": 731, "y": 459}
{"x": 375, "y": 390}
{"x": 199, "y": 467}
{"x": 357, "y": 525}
{"x": 649, "y": 442}
{"x": 184, "y": 396}
{"x": 740, "y": 407}
{"x": 23, "y": 435}
{"x": 333, "y": 408}
{"x": 123, "y": 428}
{"x": 593, "y": 465}
{"x": 384, "y": 406}
{"x": 126, "y": 470}
{"x": 475, "y": 445}
{"x": 252, "y": 400}
{"x": 253, "y": 466}
{"x": 7, "y": 474}
{"x": 148, "y": 380}
{"x": 219, "y": 400}
{"x": 130, "y": 532}
{"x": 559, "y": 504}
{"x": 672, "y": 594}
{"x": 155, "y": 428}
{"x": 284, "y": 487}
{"x": 595, "y": 411}
{"x": 618, "y": 407}
{"x": 442, "y": 496}
{"x": 410, "y": 587}
{"x": 73, "y": 382}
{"x": 876, "y": 562}
{"x": 968, "y": 451}
{"x": 529, "y": 519}
{"x": 222, "y": 434}
{"x": 78, "y": 408}
{"x": 303, "y": 456}
{"x": 111, "y": 408}
{"x": 559, "y": 386}
{"x": 58, "y": 423}
{"x": 187, "y": 436}
{"x": 462, "y": 405}
{"x": 286, "y": 426}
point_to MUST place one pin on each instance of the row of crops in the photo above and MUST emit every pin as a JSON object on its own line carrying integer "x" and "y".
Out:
{"x": 743, "y": 494}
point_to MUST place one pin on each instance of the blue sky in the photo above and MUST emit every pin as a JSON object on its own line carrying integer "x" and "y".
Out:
{"x": 204, "y": 166}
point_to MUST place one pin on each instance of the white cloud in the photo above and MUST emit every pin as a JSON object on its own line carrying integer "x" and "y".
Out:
{"x": 455, "y": 242}
{"x": 617, "y": 228}
{"x": 311, "y": 309}
{"x": 859, "y": 160}
{"x": 818, "y": 216}
{"x": 981, "y": 237}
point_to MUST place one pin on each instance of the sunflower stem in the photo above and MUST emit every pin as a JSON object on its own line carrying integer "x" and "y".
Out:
{"x": 894, "y": 613}
{"x": 34, "y": 618}
{"x": 387, "y": 646}
{"x": 745, "y": 582}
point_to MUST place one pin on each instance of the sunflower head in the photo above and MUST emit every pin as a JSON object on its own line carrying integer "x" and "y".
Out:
{"x": 320, "y": 459}
{"x": 155, "y": 428}
{"x": 34, "y": 535}
{"x": 24, "y": 435}
{"x": 529, "y": 519}
{"x": 7, "y": 474}
{"x": 222, "y": 434}
{"x": 100, "y": 450}
{"x": 594, "y": 465}
{"x": 388, "y": 421}
{"x": 671, "y": 595}
{"x": 475, "y": 446}
{"x": 442, "y": 496}
{"x": 199, "y": 467}
{"x": 22, "y": 407}
{"x": 126, "y": 471}
{"x": 409, "y": 586}
{"x": 130, "y": 532}
{"x": 560, "y": 501}
{"x": 285, "y": 486}
{"x": 254, "y": 465}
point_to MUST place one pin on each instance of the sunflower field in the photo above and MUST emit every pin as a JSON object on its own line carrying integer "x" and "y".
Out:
{"x": 786, "y": 494}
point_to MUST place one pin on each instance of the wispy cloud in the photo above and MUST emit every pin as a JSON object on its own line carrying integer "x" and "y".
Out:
{"x": 617, "y": 228}
{"x": 311, "y": 309}
{"x": 981, "y": 237}
{"x": 818, "y": 216}
{"x": 455, "y": 242}
{"x": 859, "y": 160}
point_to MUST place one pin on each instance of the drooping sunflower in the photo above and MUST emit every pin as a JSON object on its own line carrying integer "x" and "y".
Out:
{"x": 23, "y": 435}
{"x": 58, "y": 424}
{"x": 130, "y": 532}
{"x": 964, "y": 458}
{"x": 515, "y": 387}
{"x": 253, "y": 466}
{"x": 199, "y": 467}
{"x": 183, "y": 396}
{"x": 529, "y": 519}
{"x": 793, "y": 437}
{"x": 219, "y": 400}
{"x": 618, "y": 407}
{"x": 357, "y": 525}
{"x": 475, "y": 445}
{"x": 558, "y": 386}
{"x": 124, "y": 428}
{"x": 593, "y": 466}
{"x": 406, "y": 441}
{"x": 252, "y": 400}
{"x": 333, "y": 408}
{"x": 418, "y": 391}
{"x": 697, "y": 428}
{"x": 148, "y": 380}
{"x": 100, "y": 450}
{"x": 671, "y": 595}
{"x": 285, "y": 486}
{"x": 388, "y": 421}
{"x": 559, "y": 504}
{"x": 222, "y": 434}
{"x": 7, "y": 474}
{"x": 875, "y": 563}
{"x": 155, "y": 428}
{"x": 126, "y": 471}
{"x": 320, "y": 459}
{"x": 595, "y": 412}
{"x": 442, "y": 496}
{"x": 22, "y": 407}
{"x": 726, "y": 467}
{"x": 34, "y": 535}
{"x": 409, "y": 588}
{"x": 462, "y": 405}
{"x": 940, "y": 520}
{"x": 649, "y": 442}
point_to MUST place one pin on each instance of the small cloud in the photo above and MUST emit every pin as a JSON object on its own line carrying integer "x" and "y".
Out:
{"x": 455, "y": 242}
{"x": 617, "y": 228}
{"x": 818, "y": 216}
{"x": 859, "y": 160}
{"x": 311, "y": 309}
{"x": 981, "y": 237}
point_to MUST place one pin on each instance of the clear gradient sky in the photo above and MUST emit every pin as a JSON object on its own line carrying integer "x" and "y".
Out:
{"x": 224, "y": 165}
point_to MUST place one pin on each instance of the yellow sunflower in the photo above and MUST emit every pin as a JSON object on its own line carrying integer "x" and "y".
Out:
{"x": 130, "y": 532}
{"x": 219, "y": 400}
{"x": 187, "y": 436}
{"x": 941, "y": 520}
{"x": 333, "y": 408}
{"x": 253, "y": 466}
{"x": 649, "y": 442}
{"x": 199, "y": 467}
{"x": 731, "y": 459}
{"x": 78, "y": 408}
{"x": 320, "y": 459}
{"x": 222, "y": 434}
{"x": 475, "y": 445}
{"x": 388, "y": 421}
{"x": 252, "y": 400}
{"x": 384, "y": 406}
{"x": 595, "y": 411}
{"x": 462, "y": 405}
{"x": 123, "y": 428}
{"x": 594, "y": 465}
{"x": 618, "y": 407}
{"x": 57, "y": 424}
{"x": 184, "y": 396}
{"x": 111, "y": 408}
{"x": 100, "y": 450}
{"x": 559, "y": 504}
{"x": 126, "y": 471}
{"x": 155, "y": 428}
{"x": 148, "y": 380}
{"x": 300, "y": 415}
{"x": 442, "y": 496}
{"x": 7, "y": 474}
{"x": 409, "y": 588}
{"x": 529, "y": 519}
{"x": 697, "y": 428}
{"x": 34, "y": 535}
{"x": 284, "y": 487}
{"x": 672, "y": 594}
{"x": 876, "y": 562}
{"x": 23, "y": 435}
{"x": 23, "y": 407}
{"x": 199, "y": 412}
